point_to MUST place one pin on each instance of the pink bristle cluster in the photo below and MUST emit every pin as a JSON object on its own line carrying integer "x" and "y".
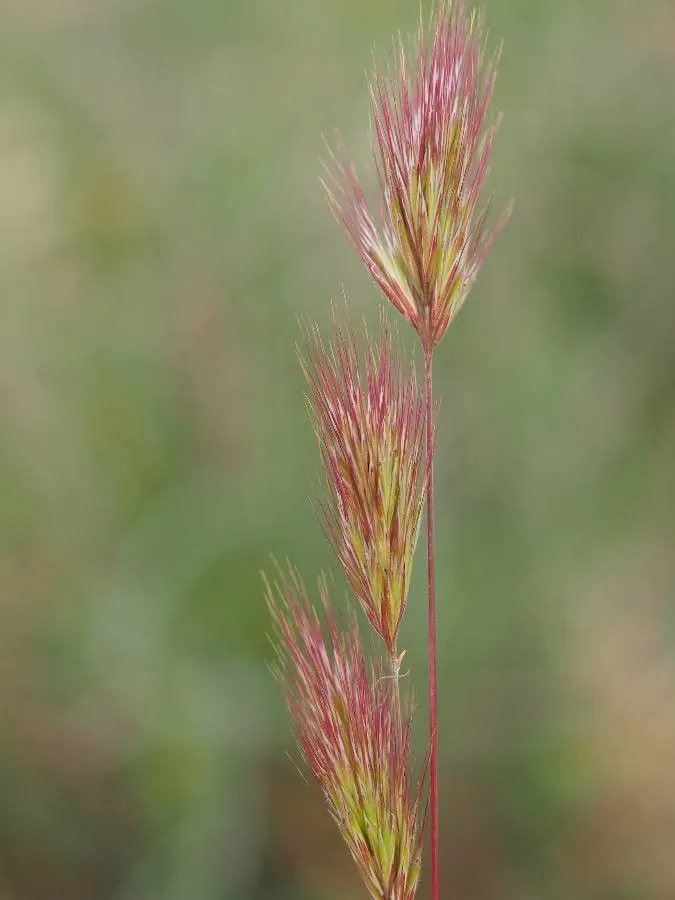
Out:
{"x": 353, "y": 737}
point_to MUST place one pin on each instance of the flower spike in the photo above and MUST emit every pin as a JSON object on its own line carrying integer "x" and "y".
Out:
{"x": 370, "y": 430}
{"x": 432, "y": 147}
{"x": 352, "y": 737}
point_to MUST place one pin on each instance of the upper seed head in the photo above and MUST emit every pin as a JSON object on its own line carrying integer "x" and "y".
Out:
{"x": 432, "y": 147}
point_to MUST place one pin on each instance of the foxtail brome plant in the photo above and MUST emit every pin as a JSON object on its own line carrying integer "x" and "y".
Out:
{"x": 374, "y": 423}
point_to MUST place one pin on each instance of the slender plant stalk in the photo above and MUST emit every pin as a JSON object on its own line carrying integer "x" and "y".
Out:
{"x": 396, "y": 689}
{"x": 431, "y": 583}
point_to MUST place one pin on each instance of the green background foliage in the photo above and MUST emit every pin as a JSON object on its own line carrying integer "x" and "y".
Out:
{"x": 161, "y": 229}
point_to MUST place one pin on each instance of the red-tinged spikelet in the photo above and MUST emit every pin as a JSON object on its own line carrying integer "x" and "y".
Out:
{"x": 432, "y": 147}
{"x": 370, "y": 429}
{"x": 353, "y": 736}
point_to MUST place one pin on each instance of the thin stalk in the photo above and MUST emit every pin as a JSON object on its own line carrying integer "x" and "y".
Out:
{"x": 395, "y": 672}
{"x": 431, "y": 582}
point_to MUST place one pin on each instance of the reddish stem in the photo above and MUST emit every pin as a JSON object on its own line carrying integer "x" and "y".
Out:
{"x": 431, "y": 576}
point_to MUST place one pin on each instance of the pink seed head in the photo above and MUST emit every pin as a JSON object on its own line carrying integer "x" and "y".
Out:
{"x": 369, "y": 423}
{"x": 353, "y": 737}
{"x": 432, "y": 146}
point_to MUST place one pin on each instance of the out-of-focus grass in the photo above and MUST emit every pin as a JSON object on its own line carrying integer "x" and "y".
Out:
{"x": 161, "y": 228}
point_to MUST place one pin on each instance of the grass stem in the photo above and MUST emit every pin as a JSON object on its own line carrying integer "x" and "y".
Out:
{"x": 431, "y": 583}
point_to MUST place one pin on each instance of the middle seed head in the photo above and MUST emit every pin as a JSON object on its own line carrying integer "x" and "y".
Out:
{"x": 370, "y": 429}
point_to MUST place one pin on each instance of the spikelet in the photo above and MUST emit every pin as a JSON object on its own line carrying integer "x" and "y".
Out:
{"x": 370, "y": 430}
{"x": 432, "y": 147}
{"x": 353, "y": 737}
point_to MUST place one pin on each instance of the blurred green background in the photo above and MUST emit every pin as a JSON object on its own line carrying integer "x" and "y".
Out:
{"x": 161, "y": 229}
